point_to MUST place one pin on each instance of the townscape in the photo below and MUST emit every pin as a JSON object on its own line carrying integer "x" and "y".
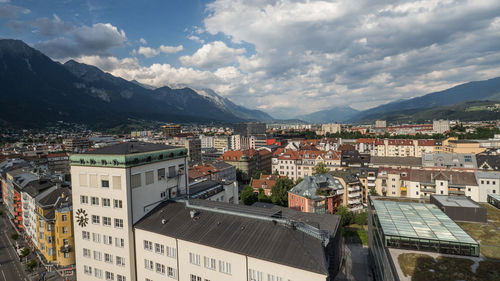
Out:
{"x": 236, "y": 140}
{"x": 113, "y": 206}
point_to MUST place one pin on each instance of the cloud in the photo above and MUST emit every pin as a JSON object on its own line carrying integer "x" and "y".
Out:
{"x": 315, "y": 54}
{"x": 97, "y": 39}
{"x": 211, "y": 55}
{"x": 12, "y": 11}
{"x": 150, "y": 52}
{"x": 143, "y": 41}
{"x": 196, "y": 39}
{"x": 50, "y": 27}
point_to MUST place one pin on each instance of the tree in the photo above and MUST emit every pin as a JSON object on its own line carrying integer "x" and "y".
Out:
{"x": 14, "y": 236}
{"x": 240, "y": 175}
{"x": 248, "y": 197}
{"x": 373, "y": 192}
{"x": 279, "y": 192}
{"x": 263, "y": 197}
{"x": 25, "y": 252}
{"x": 31, "y": 264}
{"x": 361, "y": 218}
{"x": 320, "y": 168}
{"x": 345, "y": 214}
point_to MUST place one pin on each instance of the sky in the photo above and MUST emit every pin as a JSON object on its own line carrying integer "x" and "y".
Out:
{"x": 284, "y": 57}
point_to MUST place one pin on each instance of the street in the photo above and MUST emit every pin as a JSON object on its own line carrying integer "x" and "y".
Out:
{"x": 10, "y": 267}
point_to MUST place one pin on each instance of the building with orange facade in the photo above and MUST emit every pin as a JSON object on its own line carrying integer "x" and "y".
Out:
{"x": 320, "y": 194}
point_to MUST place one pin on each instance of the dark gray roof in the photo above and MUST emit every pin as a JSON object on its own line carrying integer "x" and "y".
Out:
{"x": 456, "y": 201}
{"x": 488, "y": 162}
{"x": 51, "y": 198}
{"x": 253, "y": 237}
{"x": 389, "y": 160}
{"x": 37, "y": 186}
{"x": 202, "y": 186}
{"x": 130, "y": 148}
{"x": 311, "y": 184}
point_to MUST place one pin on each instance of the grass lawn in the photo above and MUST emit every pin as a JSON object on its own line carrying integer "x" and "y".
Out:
{"x": 355, "y": 233}
{"x": 425, "y": 267}
{"x": 492, "y": 214}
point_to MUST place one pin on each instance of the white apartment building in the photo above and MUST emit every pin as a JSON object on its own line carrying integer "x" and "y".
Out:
{"x": 300, "y": 163}
{"x": 488, "y": 183}
{"x": 440, "y": 126}
{"x": 29, "y": 196}
{"x": 113, "y": 188}
{"x": 213, "y": 241}
{"x": 221, "y": 191}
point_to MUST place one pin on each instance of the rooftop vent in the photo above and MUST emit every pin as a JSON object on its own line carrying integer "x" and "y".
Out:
{"x": 163, "y": 221}
{"x": 194, "y": 214}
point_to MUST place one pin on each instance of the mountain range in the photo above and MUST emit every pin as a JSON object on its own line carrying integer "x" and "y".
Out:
{"x": 34, "y": 91}
{"x": 452, "y": 103}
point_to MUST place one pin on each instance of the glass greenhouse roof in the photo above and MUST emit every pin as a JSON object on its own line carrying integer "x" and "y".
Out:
{"x": 420, "y": 221}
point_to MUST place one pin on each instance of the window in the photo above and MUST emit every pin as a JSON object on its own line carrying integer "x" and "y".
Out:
{"x": 105, "y": 183}
{"x": 135, "y": 180}
{"x": 108, "y": 258}
{"x": 171, "y": 171}
{"x": 161, "y": 174}
{"x": 117, "y": 204}
{"x": 85, "y": 235}
{"x": 93, "y": 180}
{"x": 225, "y": 267}
{"x": 150, "y": 177}
{"x": 119, "y": 242}
{"x": 94, "y": 201}
{"x": 120, "y": 261}
{"x": 64, "y": 229}
{"x": 52, "y": 252}
{"x": 160, "y": 268}
{"x": 96, "y": 237}
{"x": 106, "y": 202}
{"x": 148, "y": 264}
{"x": 64, "y": 218}
{"x": 171, "y": 252}
{"x": 106, "y": 221}
{"x": 194, "y": 259}
{"x": 118, "y": 223}
{"x": 209, "y": 263}
{"x": 195, "y": 278}
{"x": 482, "y": 181}
{"x": 255, "y": 275}
{"x": 171, "y": 272}
{"x": 110, "y": 276}
{"x": 120, "y": 277}
{"x": 83, "y": 180}
{"x": 117, "y": 182}
{"x": 84, "y": 199}
{"x": 86, "y": 252}
{"x": 87, "y": 269}
{"x": 159, "y": 248}
{"x": 97, "y": 255}
{"x": 66, "y": 255}
{"x": 108, "y": 240}
{"x": 98, "y": 273}
{"x": 148, "y": 245}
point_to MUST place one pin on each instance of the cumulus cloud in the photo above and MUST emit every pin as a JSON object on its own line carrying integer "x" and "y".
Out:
{"x": 150, "y": 52}
{"x": 143, "y": 41}
{"x": 213, "y": 54}
{"x": 97, "y": 39}
{"x": 315, "y": 54}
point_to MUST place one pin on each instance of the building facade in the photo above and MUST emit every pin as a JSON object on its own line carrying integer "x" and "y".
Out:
{"x": 113, "y": 188}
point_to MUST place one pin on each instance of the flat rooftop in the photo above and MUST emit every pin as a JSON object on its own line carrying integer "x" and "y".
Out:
{"x": 456, "y": 201}
{"x": 417, "y": 220}
{"x": 130, "y": 148}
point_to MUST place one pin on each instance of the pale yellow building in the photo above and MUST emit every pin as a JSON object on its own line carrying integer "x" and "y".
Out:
{"x": 454, "y": 145}
{"x": 55, "y": 230}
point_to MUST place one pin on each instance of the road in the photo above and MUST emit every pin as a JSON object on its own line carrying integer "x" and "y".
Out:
{"x": 10, "y": 267}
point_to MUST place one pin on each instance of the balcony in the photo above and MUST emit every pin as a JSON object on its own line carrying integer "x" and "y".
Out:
{"x": 403, "y": 188}
{"x": 370, "y": 178}
{"x": 371, "y": 184}
{"x": 456, "y": 192}
{"x": 340, "y": 192}
{"x": 351, "y": 189}
{"x": 356, "y": 201}
{"x": 428, "y": 189}
{"x": 354, "y": 195}
{"x": 356, "y": 208}
{"x": 65, "y": 249}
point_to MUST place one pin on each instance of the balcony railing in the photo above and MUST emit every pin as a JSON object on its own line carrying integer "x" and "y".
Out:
{"x": 356, "y": 201}
{"x": 354, "y": 195}
{"x": 370, "y": 178}
{"x": 371, "y": 184}
{"x": 350, "y": 189}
